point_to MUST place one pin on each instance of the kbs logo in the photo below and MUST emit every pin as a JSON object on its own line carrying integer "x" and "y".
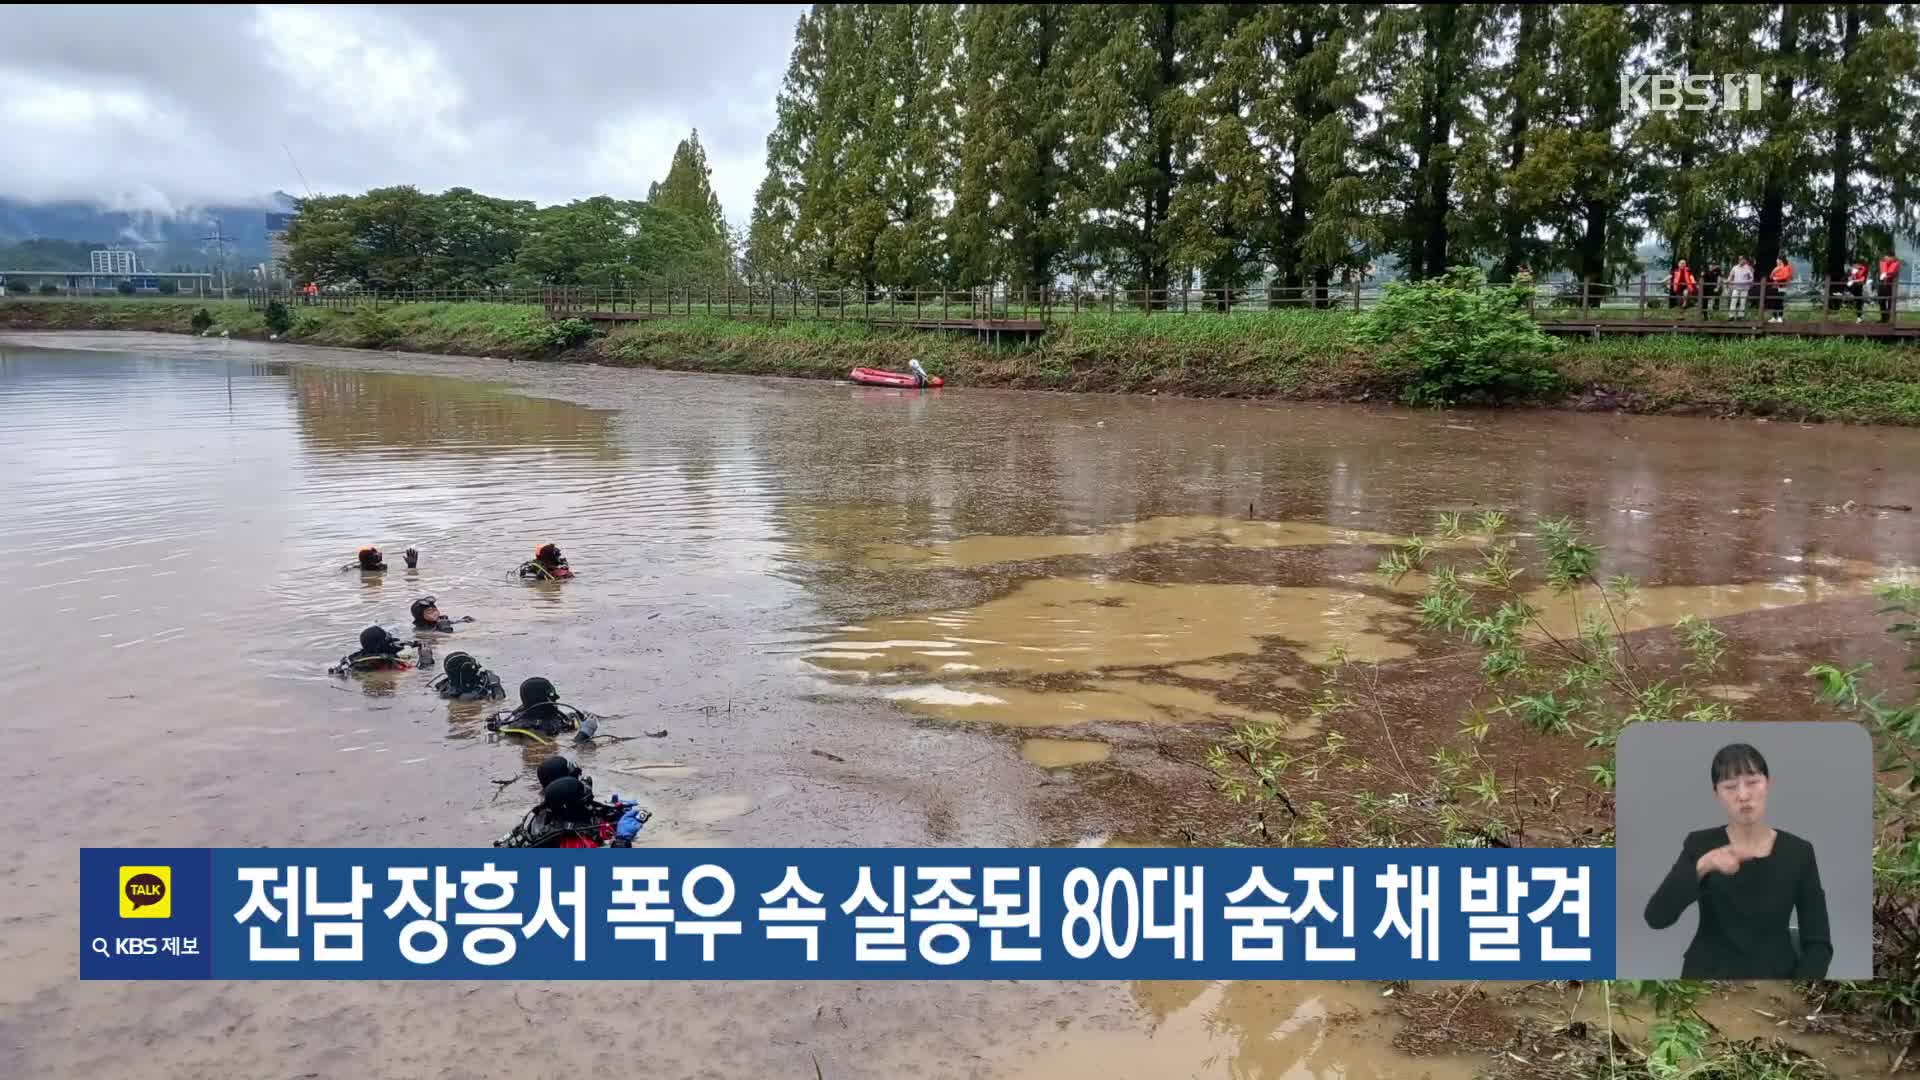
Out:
{"x": 146, "y": 892}
{"x": 1665, "y": 92}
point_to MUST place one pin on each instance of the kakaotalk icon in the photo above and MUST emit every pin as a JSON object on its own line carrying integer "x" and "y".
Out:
{"x": 145, "y": 892}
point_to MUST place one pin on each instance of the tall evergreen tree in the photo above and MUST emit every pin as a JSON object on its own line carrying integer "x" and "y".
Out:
{"x": 688, "y": 189}
{"x": 1432, "y": 58}
{"x": 1133, "y": 134}
{"x": 1689, "y": 181}
{"x": 1864, "y": 81}
{"x": 1777, "y": 158}
{"x": 1274, "y": 182}
{"x": 1012, "y": 172}
{"x": 1583, "y": 157}
{"x": 778, "y": 247}
{"x": 1501, "y": 203}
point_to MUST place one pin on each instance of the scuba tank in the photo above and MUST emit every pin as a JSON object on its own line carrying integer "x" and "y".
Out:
{"x": 542, "y": 715}
{"x": 543, "y": 723}
{"x": 379, "y": 651}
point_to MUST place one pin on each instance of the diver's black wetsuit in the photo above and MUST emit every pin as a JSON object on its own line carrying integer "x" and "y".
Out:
{"x": 463, "y": 679}
{"x": 547, "y": 718}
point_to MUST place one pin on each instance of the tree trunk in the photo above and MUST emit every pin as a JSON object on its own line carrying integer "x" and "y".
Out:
{"x": 1157, "y": 264}
{"x": 1684, "y": 235}
{"x": 1436, "y": 133}
{"x": 1593, "y": 243}
{"x": 1773, "y": 195}
{"x": 1840, "y": 210}
{"x": 1517, "y": 130}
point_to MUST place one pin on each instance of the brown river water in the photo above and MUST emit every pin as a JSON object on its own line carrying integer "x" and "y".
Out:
{"x": 860, "y": 616}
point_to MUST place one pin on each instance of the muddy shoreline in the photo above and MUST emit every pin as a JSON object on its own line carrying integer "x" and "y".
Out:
{"x": 1619, "y": 381}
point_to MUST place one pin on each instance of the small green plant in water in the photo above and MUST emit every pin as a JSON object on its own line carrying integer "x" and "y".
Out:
{"x": 1893, "y": 997}
{"x": 202, "y": 321}
{"x": 1554, "y": 659}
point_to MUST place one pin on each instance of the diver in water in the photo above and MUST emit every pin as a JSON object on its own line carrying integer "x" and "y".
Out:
{"x": 542, "y": 715}
{"x": 367, "y": 560}
{"x": 463, "y": 679}
{"x": 413, "y": 558}
{"x": 557, "y": 766}
{"x": 427, "y": 616}
{"x": 547, "y": 564}
{"x": 568, "y": 816}
{"x": 380, "y": 651}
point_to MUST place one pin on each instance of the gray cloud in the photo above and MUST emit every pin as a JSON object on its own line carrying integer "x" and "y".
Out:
{"x": 158, "y": 106}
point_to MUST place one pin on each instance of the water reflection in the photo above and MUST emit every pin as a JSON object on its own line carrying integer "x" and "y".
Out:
{"x": 342, "y": 410}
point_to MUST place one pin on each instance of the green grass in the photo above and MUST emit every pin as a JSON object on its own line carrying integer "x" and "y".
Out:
{"x": 1822, "y": 378}
{"x": 1298, "y": 354}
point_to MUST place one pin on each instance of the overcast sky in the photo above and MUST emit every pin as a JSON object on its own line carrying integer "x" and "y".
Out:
{"x": 166, "y": 105}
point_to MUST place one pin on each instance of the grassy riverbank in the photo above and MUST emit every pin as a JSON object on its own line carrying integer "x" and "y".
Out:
{"x": 1286, "y": 355}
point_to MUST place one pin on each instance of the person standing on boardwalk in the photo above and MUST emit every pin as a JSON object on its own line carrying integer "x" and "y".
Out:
{"x": 1857, "y": 286}
{"x": 1740, "y": 278}
{"x": 1777, "y": 290}
{"x": 1889, "y": 285}
{"x": 1680, "y": 286}
{"x": 1710, "y": 289}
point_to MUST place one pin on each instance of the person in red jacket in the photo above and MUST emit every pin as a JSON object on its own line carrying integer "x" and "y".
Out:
{"x": 1889, "y": 285}
{"x": 1777, "y": 290}
{"x": 1680, "y": 286}
{"x": 1857, "y": 285}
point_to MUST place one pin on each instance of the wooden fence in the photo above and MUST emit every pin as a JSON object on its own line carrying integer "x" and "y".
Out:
{"x": 1817, "y": 306}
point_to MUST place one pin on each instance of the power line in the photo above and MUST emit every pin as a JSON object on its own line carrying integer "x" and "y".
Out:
{"x": 296, "y": 170}
{"x": 219, "y": 240}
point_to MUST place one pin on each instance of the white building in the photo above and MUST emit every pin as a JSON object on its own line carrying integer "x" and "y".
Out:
{"x": 122, "y": 263}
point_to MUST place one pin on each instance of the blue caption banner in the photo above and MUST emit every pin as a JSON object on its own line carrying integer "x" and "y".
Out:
{"x": 841, "y": 913}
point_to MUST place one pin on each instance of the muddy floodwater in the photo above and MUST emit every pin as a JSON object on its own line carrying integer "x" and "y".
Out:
{"x": 829, "y": 615}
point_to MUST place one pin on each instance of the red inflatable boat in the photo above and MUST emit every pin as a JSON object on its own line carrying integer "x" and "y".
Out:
{"x": 875, "y": 377}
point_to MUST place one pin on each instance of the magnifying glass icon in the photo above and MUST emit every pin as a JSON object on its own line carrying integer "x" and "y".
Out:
{"x": 100, "y": 946}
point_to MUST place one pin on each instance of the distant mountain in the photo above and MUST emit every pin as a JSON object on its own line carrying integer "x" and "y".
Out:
{"x": 163, "y": 240}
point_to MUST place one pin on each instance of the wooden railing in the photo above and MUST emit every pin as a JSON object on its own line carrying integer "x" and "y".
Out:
{"x": 1830, "y": 303}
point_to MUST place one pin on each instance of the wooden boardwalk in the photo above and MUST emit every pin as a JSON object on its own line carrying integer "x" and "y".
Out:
{"x": 1730, "y": 328}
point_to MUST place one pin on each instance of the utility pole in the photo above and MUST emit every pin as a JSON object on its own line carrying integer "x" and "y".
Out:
{"x": 219, "y": 241}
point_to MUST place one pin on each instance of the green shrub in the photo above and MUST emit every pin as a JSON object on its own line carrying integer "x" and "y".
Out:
{"x": 567, "y": 333}
{"x": 169, "y": 287}
{"x": 1455, "y": 338}
{"x": 125, "y": 288}
{"x": 373, "y": 328}
{"x": 202, "y": 321}
{"x": 48, "y": 288}
{"x": 19, "y": 287}
{"x": 279, "y": 319}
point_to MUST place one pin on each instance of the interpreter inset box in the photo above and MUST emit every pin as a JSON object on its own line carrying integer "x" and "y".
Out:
{"x": 1744, "y": 851}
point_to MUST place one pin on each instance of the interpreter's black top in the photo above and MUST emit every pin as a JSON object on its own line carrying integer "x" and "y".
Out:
{"x": 1743, "y": 916}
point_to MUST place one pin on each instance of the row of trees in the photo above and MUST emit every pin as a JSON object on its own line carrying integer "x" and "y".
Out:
{"x": 400, "y": 238}
{"x": 1150, "y": 145}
